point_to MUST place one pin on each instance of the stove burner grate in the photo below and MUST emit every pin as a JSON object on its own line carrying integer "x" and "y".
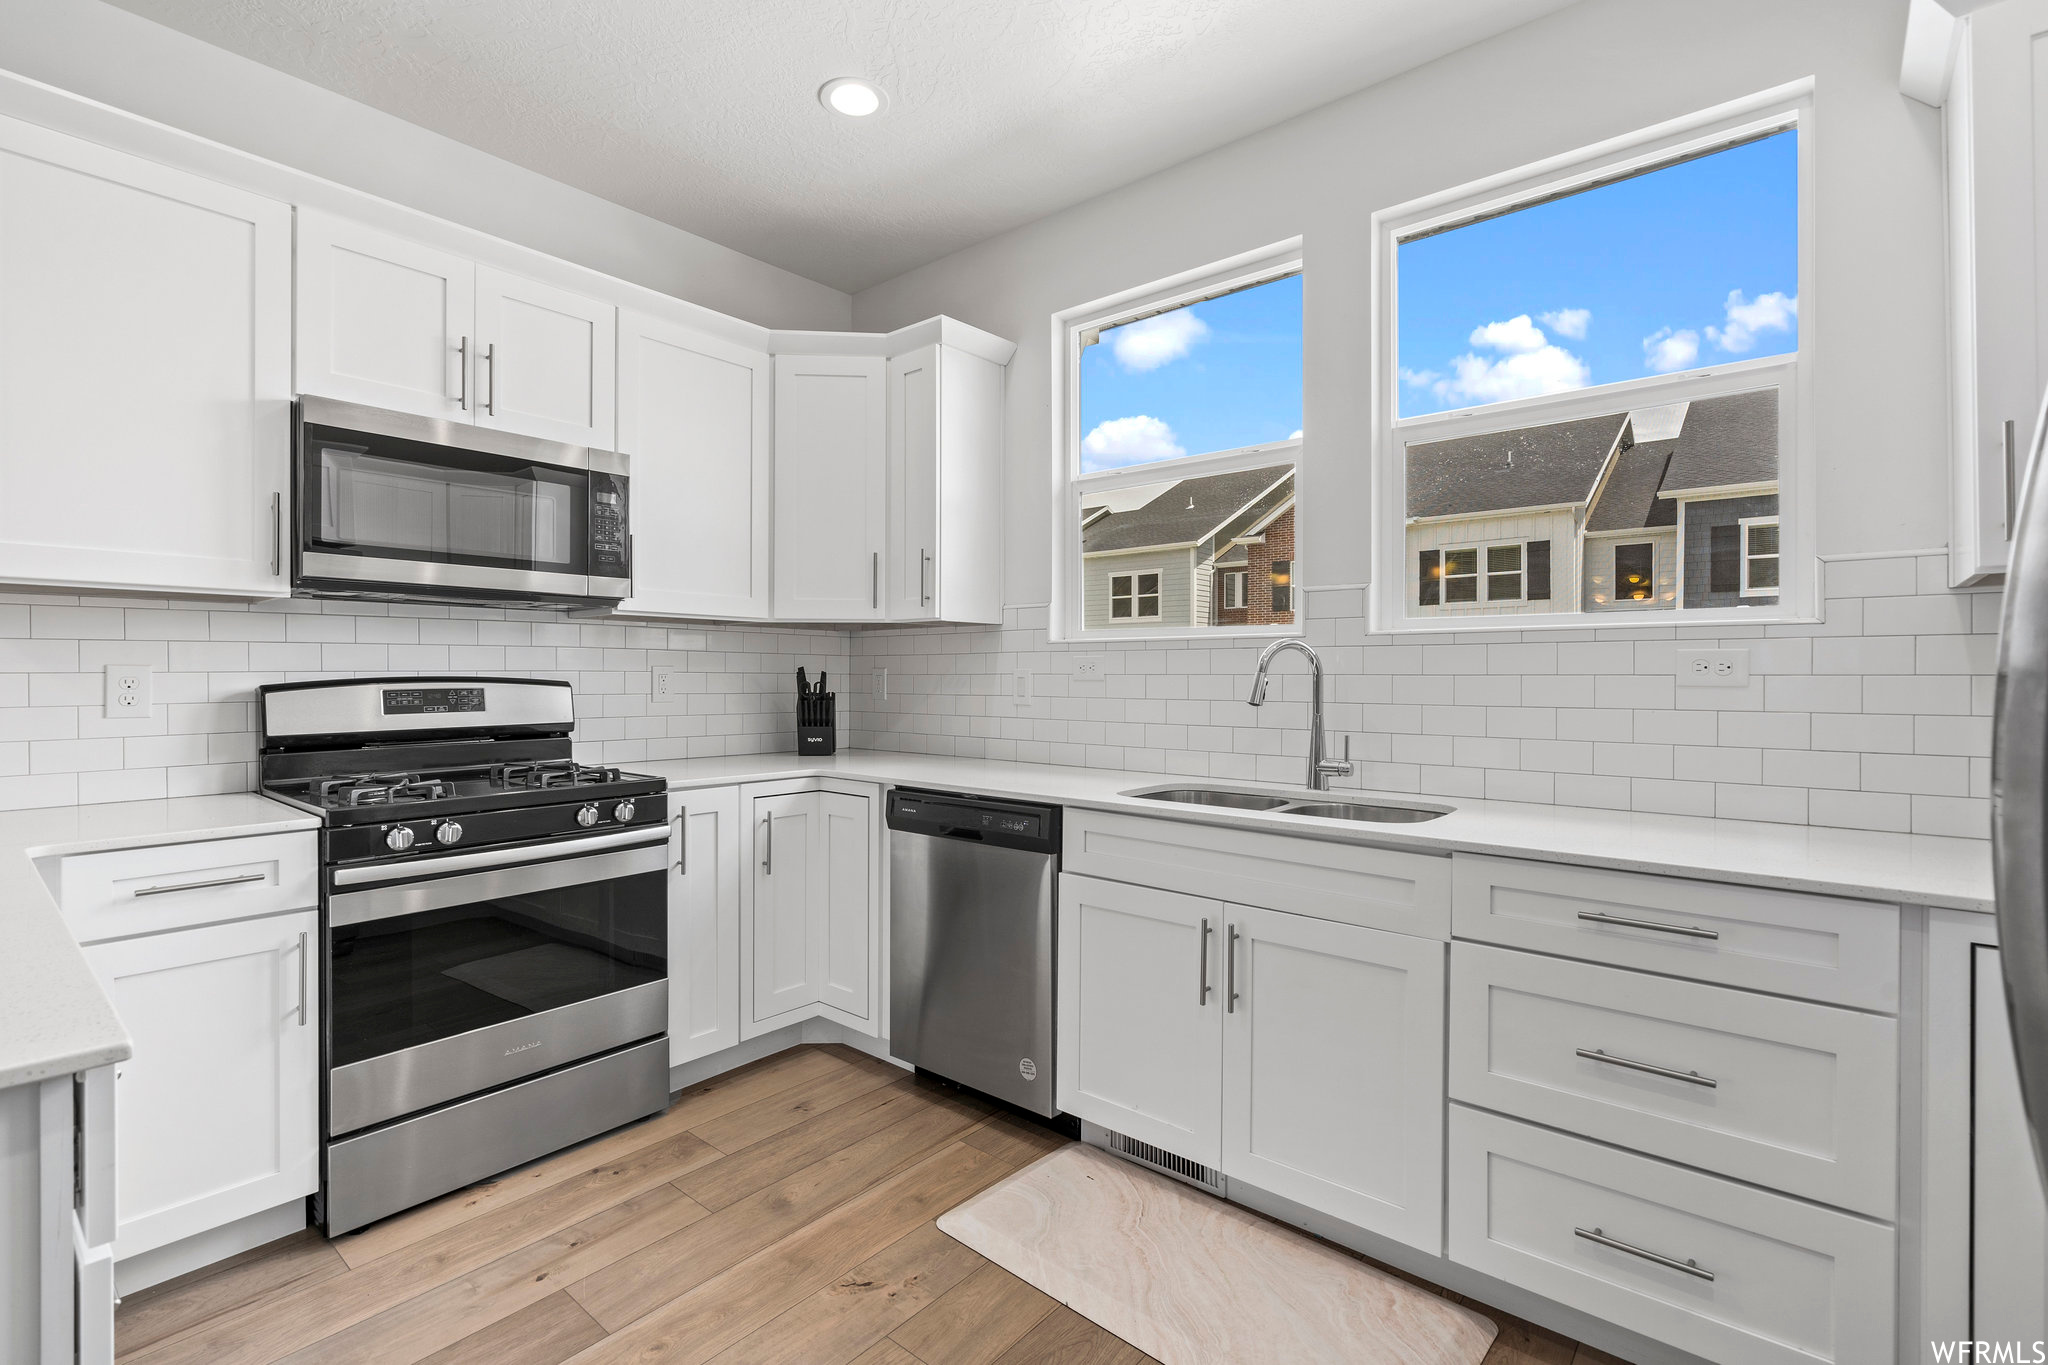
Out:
{"x": 556, "y": 772}
{"x": 381, "y": 789}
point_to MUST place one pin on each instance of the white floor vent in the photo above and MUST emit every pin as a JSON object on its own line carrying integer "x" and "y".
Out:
{"x": 1164, "y": 1162}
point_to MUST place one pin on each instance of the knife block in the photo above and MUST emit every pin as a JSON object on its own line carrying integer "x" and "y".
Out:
{"x": 817, "y": 725}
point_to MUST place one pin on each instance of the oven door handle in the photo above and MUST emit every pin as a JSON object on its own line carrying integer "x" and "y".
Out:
{"x": 497, "y": 857}
{"x": 520, "y": 879}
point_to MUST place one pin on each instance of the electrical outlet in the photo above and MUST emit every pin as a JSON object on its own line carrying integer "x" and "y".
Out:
{"x": 1020, "y": 689}
{"x": 128, "y": 691}
{"x": 878, "y": 684}
{"x": 1087, "y": 667}
{"x": 1713, "y": 667}
{"x": 667, "y": 682}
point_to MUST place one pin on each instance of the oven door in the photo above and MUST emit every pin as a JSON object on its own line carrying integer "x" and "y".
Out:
{"x": 397, "y": 505}
{"x": 503, "y": 964}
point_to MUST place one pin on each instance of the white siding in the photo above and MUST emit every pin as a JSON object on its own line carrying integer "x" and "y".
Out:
{"x": 1559, "y": 527}
{"x": 1176, "y": 570}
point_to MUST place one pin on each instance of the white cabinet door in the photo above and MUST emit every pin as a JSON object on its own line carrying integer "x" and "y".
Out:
{"x": 695, "y": 415}
{"x": 944, "y": 561}
{"x": 217, "y": 1113}
{"x": 831, "y": 476}
{"x": 779, "y": 944}
{"x": 382, "y": 320}
{"x": 1997, "y": 131}
{"x": 704, "y": 924}
{"x": 547, "y": 360}
{"x": 1141, "y": 1014}
{"x": 2008, "y": 1218}
{"x": 913, "y": 485}
{"x": 145, "y": 347}
{"x": 1333, "y": 1044}
{"x": 843, "y": 922}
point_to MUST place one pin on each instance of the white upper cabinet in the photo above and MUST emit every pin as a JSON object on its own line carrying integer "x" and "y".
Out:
{"x": 548, "y": 359}
{"x": 145, "y": 346}
{"x": 399, "y": 324}
{"x": 382, "y": 320}
{"x": 945, "y": 482}
{"x": 1997, "y": 117}
{"x": 831, "y": 477}
{"x": 696, "y": 418}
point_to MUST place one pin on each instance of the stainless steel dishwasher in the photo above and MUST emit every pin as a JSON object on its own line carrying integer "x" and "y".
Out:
{"x": 971, "y": 941}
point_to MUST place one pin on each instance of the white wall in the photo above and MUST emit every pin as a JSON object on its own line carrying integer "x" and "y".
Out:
{"x": 107, "y": 54}
{"x": 1599, "y": 69}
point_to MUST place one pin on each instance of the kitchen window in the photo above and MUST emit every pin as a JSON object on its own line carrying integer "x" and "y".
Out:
{"x": 1554, "y": 371}
{"x": 1177, "y": 454}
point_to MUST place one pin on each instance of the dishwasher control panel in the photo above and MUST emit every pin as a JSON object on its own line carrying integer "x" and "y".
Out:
{"x": 950, "y": 815}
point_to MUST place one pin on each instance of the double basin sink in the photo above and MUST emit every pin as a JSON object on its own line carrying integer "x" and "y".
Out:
{"x": 1318, "y": 807}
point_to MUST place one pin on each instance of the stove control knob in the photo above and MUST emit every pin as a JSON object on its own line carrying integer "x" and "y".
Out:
{"x": 587, "y": 816}
{"x": 622, "y": 812}
{"x": 448, "y": 832}
{"x": 398, "y": 839}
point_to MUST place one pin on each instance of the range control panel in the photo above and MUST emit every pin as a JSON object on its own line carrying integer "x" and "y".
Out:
{"x": 419, "y": 701}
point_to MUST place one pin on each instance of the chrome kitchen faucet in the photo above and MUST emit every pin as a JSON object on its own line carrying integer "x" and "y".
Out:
{"x": 1320, "y": 769}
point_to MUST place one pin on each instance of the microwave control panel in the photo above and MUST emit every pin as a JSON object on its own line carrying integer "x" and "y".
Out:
{"x": 608, "y": 535}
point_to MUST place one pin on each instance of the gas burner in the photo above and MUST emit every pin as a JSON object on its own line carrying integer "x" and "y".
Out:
{"x": 381, "y": 789}
{"x": 554, "y": 772}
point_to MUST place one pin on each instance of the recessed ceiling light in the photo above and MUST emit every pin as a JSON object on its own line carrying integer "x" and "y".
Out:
{"x": 851, "y": 96}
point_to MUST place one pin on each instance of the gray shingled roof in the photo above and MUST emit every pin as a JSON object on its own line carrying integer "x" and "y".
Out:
{"x": 1529, "y": 467}
{"x": 1185, "y": 512}
{"x": 1629, "y": 501}
{"x": 1730, "y": 440}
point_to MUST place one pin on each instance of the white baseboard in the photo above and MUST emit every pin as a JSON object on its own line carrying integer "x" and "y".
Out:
{"x": 201, "y": 1249}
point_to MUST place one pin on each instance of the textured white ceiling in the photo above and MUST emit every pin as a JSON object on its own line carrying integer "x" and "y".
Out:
{"x": 703, "y": 113}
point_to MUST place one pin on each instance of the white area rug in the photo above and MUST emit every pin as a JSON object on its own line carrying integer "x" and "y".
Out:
{"x": 1193, "y": 1280}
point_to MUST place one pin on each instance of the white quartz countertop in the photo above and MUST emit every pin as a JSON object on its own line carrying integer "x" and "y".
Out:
{"x": 1914, "y": 869}
{"x": 54, "y": 1018}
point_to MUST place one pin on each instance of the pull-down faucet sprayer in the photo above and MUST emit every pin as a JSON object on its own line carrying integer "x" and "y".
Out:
{"x": 1320, "y": 769}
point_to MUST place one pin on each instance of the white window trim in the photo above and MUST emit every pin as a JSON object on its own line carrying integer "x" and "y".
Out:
{"x": 1743, "y": 547}
{"x": 1236, "y": 584}
{"x": 1786, "y": 106}
{"x": 1134, "y": 597}
{"x": 1066, "y": 621}
{"x": 1485, "y": 587}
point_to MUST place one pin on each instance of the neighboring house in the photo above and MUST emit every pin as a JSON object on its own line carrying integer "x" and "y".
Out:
{"x": 1202, "y": 552}
{"x": 1642, "y": 511}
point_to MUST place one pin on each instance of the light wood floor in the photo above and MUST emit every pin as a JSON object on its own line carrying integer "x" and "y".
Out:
{"x": 779, "y": 1213}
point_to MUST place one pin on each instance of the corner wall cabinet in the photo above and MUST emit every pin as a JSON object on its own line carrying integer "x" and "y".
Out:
{"x": 944, "y": 556}
{"x": 831, "y": 481}
{"x": 810, "y": 922}
{"x": 145, "y": 345}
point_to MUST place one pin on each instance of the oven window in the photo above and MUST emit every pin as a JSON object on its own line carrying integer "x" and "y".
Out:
{"x": 415, "y": 978}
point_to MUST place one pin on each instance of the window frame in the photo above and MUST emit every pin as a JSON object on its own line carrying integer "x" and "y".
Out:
{"x": 1135, "y": 595}
{"x": 1614, "y": 597}
{"x": 1067, "y": 617}
{"x": 1783, "y": 108}
{"x": 1236, "y": 583}
{"x": 1745, "y": 558}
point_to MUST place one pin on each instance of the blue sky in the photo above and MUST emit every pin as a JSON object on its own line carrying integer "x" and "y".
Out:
{"x": 1680, "y": 268}
{"x": 1213, "y": 376}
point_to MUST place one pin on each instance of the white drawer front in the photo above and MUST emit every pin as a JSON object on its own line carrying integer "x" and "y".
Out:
{"x": 1799, "y": 1097}
{"x": 147, "y": 890}
{"x": 1409, "y": 893}
{"x": 1791, "y": 1282}
{"x": 1786, "y": 942}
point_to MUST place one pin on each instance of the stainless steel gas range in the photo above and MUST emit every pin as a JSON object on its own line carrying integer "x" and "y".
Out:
{"x": 493, "y": 930}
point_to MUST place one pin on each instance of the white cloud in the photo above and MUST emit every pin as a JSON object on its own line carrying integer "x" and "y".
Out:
{"x": 1665, "y": 350}
{"x": 1523, "y": 374}
{"x": 1151, "y": 342}
{"x": 1420, "y": 379}
{"x": 1296, "y": 436}
{"x": 1125, "y": 441}
{"x": 1516, "y": 335}
{"x": 1568, "y": 322}
{"x": 1773, "y": 312}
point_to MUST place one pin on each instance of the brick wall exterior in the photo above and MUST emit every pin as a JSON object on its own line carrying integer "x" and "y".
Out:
{"x": 1258, "y": 611}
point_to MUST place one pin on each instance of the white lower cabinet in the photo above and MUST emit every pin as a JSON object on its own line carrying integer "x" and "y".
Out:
{"x": 2008, "y": 1216}
{"x": 704, "y": 924}
{"x": 1723, "y": 1270}
{"x": 809, "y": 923}
{"x": 217, "y": 1113}
{"x": 1299, "y": 1055}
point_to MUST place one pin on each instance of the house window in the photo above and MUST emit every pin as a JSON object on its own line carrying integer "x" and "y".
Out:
{"x": 1634, "y": 572}
{"x": 1552, "y": 369}
{"x": 1759, "y": 556}
{"x": 1283, "y": 585}
{"x": 1182, "y": 432}
{"x": 1133, "y": 596}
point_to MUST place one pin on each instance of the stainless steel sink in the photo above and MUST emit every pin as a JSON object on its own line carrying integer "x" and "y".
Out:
{"x": 1368, "y": 812}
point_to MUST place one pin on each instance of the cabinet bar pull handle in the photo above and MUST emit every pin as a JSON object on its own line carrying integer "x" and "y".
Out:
{"x": 491, "y": 389}
{"x": 2012, "y": 477}
{"x": 1691, "y": 1268}
{"x": 682, "y": 845}
{"x": 462, "y": 374}
{"x": 1594, "y": 1054}
{"x": 302, "y": 978}
{"x": 276, "y": 533}
{"x": 924, "y": 565}
{"x": 875, "y": 579}
{"x": 1202, "y": 998}
{"x": 1230, "y": 973}
{"x": 168, "y": 887}
{"x": 768, "y": 844}
{"x": 1682, "y": 930}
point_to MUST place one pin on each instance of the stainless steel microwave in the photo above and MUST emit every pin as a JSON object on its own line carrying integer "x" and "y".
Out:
{"x": 392, "y": 506}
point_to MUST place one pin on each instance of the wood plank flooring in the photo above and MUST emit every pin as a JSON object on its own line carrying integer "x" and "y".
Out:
{"x": 782, "y": 1213}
